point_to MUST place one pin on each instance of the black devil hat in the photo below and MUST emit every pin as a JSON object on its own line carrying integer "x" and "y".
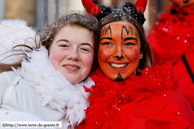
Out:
{"x": 135, "y": 10}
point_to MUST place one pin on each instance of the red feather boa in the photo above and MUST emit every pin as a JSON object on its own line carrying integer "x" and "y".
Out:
{"x": 108, "y": 97}
{"x": 172, "y": 35}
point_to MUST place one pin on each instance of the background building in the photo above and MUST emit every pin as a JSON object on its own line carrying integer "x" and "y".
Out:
{"x": 37, "y": 13}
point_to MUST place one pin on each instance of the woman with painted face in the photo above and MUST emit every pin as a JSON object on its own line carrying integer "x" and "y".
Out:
{"x": 45, "y": 80}
{"x": 130, "y": 93}
{"x": 172, "y": 39}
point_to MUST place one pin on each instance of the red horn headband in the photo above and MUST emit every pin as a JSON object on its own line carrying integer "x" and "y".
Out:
{"x": 140, "y": 5}
{"x": 91, "y": 7}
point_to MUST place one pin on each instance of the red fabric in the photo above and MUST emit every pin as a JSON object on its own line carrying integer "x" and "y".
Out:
{"x": 172, "y": 37}
{"x": 139, "y": 102}
{"x": 186, "y": 86}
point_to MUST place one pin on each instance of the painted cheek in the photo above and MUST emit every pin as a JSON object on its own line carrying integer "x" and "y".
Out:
{"x": 133, "y": 54}
{"x": 103, "y": 54}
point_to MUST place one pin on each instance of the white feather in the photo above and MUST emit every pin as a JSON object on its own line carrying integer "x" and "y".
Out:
{"x": 14, "y": 32}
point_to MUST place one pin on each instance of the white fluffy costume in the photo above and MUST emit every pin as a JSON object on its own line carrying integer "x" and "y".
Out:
{"x": 37, "y": 89}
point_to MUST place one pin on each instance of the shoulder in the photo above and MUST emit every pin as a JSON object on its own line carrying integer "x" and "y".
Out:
{"x": 176, "y": 109}
{"x": 166, "y": 110}
{"x": 174, "y": 99}
{"x": 169, "y": 102}
{"x": 173, "y": 108}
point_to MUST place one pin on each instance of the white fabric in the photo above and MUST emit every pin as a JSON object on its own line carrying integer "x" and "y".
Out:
{"x": 5, "y": 81}
{"x": 14, "y": 115}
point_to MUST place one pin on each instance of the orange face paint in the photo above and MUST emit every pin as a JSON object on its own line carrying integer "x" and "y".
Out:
{"x": 119, "y": 50}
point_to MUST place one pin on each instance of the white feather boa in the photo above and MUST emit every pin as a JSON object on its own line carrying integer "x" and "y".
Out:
{"x": 12, "y": 33}
{"x": 52, "y": 87}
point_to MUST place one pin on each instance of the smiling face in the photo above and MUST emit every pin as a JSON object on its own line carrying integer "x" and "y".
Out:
{"x": 119, "y": 50}
{"x": 184, "y": 3}
{"x": 72, "y": 52}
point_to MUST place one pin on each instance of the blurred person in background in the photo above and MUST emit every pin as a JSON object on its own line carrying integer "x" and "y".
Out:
{"x": 172, "y": 39}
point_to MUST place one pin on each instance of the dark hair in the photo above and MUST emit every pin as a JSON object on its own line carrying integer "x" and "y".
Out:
{"x": 145, "y": 47}
{"x": 84, "y": 20}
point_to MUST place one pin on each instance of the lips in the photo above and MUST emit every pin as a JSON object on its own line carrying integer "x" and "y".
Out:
{"x": 71, "y": 67}
{"x": 118, "y": 65}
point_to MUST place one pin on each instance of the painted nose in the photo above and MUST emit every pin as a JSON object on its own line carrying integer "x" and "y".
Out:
{"x": 185, "y": 1}
{"x": 73, "y": 55}
{"x": 119, "y": 53}
{"x": 119, "y": 56}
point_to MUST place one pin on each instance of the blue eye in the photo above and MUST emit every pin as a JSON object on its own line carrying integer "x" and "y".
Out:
{"x": 106, "y": 43}
{"x": 129, "y": 44}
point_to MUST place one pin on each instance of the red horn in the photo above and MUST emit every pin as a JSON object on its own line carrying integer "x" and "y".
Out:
{"x": 91, "y": 7}
{"x": 140, "y": 5}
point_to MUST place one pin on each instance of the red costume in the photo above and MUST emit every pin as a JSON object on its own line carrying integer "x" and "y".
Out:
{"x": 139, "y": 102}
{"x": 172, "y": 39}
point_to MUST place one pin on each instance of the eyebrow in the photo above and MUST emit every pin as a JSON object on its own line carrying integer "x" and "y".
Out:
{"x": 129, "y": 38}
{"x": 86, "y": 44}
{"x": 106, "y": 38}
{"x": 63, "y": 40}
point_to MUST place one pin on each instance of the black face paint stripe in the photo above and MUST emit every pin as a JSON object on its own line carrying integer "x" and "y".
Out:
{"x": 124, "y": 27}
{"x": 109, "y": 29}
{"x": 131, "y": 30}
